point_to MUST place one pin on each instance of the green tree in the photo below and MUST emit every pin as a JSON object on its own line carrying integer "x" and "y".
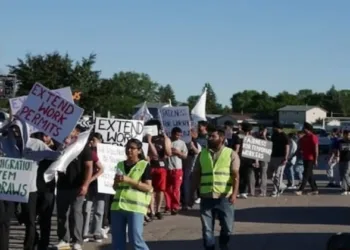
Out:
{"x": 192, "y": 100}
{"x": 166, "y": 93}
{"x": 243, "y": 102}
{"x": 212, "y": 106}
{"x": 57, "y": 71}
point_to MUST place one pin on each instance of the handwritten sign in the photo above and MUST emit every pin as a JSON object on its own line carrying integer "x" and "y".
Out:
{"x": 17, "y": 102}
{"x": 150, "y": 130}
{"x": 256, "y": 149}
{"x": 49, "y": 113}
{"x": 110, "y": 155}
{"x": 176, "y": 117}
{"x": 119, "y": 131}
{"x": 17, "y": 176}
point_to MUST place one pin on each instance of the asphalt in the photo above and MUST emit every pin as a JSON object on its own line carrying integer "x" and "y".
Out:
{"x": 288, "y": 222}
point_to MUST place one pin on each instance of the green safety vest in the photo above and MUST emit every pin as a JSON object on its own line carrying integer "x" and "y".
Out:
{"x": 128, "y": 198}
{"x": 216, "y": 177}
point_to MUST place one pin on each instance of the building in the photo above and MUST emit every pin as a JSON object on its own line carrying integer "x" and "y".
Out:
{"x": 291, "y": 114}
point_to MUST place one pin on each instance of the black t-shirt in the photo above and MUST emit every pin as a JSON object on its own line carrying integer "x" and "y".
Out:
{"x": 42, "y": 186}
{"x": 146, "y": 176}
{"x": 279, "y": 142}
{"x": 75, "y": 174}
{"x": 236, "y": 140}
{"x": 159, "y": 143}
{"x": 344, "y": 150}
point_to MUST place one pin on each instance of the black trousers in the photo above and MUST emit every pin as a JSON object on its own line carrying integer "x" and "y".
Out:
{"x": 45, "y": 206}
{"x": 6, "y": 213}
{"x": 308, "y": 176}
{"x": 107, "y": 214}
{"x": 28, "y": 217}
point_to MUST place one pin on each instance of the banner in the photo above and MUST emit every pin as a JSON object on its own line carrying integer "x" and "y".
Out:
{"x": 109, "y": 156}
{"x": 118, "y": 131}
{"x": 17, "y": 176}
{"x": 256, "y": 149}
{"x": 150, "y": 130}
{"x": 17, "y": 102}
{"x": 176, "y": 117}
{"x": 49, "y": 113}
{"x": 68, "y": 155}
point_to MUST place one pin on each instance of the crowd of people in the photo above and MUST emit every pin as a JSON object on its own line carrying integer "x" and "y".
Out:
{"x": 209, "y": 170}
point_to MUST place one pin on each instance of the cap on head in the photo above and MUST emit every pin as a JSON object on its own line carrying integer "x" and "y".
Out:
{"x": 308, "y": 126}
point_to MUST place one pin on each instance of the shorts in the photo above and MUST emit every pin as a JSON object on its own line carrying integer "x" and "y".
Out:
{"x": 159, "y": 179}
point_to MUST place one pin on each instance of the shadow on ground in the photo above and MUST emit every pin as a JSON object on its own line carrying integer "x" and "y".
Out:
{"x": 290, "y": 215}
{"x": 273, "y": 241}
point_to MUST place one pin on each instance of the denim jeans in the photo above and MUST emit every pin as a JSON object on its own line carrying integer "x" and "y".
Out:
{"x": 97, "y": 202}
{"x": 210, "y": 209}
{"x": 294, "y": 172}
{"x": 344, "y": 169}
{"x": 120, "y": 219}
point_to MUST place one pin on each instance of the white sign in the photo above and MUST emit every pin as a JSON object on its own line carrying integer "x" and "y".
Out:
{"x": 17, "y": 176}
{"x": 172, "y": 117}
{"x": 150, "y": 130}
{"x": 109, "y": 156}
{"x": 17, "y": 102}
{"x": 118, "y": 131}
{"x": 49, "y": 113}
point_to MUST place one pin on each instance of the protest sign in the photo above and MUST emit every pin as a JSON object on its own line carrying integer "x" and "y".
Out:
{"x": 17, "y": 102}
{"x": 176, "y": 117}
{"x": 17, "y": 176}
{"x": 150, "y": 130}
{"x": 256, "y": 149}
{"x": 109, "y": 156}
{"x": 49, "y": 113}
{"x": 118, "y": 131}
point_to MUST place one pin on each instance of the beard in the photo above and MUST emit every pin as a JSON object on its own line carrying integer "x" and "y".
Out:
{"x": 213, "y": 144}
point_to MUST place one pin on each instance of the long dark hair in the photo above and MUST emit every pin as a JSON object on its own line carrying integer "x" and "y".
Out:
{"x": 138, "y": 144}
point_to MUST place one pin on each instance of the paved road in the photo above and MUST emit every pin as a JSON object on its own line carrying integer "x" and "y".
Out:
{"x": 287, "y": 222}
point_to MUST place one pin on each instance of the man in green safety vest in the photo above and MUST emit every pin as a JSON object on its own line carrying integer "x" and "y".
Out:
{"x": 217, "y": 175}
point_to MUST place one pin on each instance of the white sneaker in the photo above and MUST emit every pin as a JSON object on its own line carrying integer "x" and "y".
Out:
{"x": 77, "y": 246}
{"x": 63, "y": 245}
{"x": 292, "y": 187}
{"x": 344, "y": 193}
{"x": 243, "y": 196}
{"x": 197, "y": 201}
{"x": 104, "y": 232}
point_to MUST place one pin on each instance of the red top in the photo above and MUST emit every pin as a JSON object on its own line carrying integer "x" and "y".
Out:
{"x": 307, "y": 146}
{"x": 94, "y": 156}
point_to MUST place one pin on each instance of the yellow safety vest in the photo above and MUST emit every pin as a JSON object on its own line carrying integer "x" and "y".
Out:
{"x": 216, "y": 178}
{"x": 128, "y": 198}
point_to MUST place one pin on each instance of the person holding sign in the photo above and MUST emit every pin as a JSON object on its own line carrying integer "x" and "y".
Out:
{"x": 217, "y": 175}
{"x": 133, "y": 186}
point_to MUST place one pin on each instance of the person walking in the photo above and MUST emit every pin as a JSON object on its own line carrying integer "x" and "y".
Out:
{"x": 309, "y": 149}
{"x": 133, "y": 186}
{"x": 217, "y": 175}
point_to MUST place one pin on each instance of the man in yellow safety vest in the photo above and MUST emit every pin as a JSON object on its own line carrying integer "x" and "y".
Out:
{"x": 217, "y": 175}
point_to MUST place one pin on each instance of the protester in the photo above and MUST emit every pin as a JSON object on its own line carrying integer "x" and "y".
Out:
{"x": 309, "y": 150}
{"x": 221, "y": 164}
{"x": 72, "y": 187}
{"x": 299, "y": 163}
{"x": 279, "y": 159}
{"x": 95, "y": 201}
{"x": 194, "y": 149}
{"x": 342, "y": 152}
{"x": 228, "y": 132}
{"x": 133, "y": 186}
{"x": 17, "y": 144}
{"x": 45, "y": 194}
{"x": 333, "y": 168}
{"x": 159, "y": 151}
{"x": 202, "y": 138}
{"x": 262, "y": 168}
{"x": 174, "y": 171}
{"x": 247, "y": 167}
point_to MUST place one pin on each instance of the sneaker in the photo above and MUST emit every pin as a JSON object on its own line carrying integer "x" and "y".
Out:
{"x": 197, "y": 201}
{"x": 344, "y": 193}
{"x": 98, "y": 238}
{"x": 243, "y": 196}
{"x": 86, "y": 238}
{"x": 174, "y": 212}
{"x": 62, "y": 245}
{"x": 313, "y": 193}
{"x": 104, "y": 232}
{"x": 77, "y": 246}
{"x": 298, "y": 193}
{"x": 262, "y": 195}
{"x": 159, "y": 216}
{"x": 293, "y": 187}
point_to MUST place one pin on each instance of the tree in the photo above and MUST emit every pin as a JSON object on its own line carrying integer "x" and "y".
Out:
{"x": 166, "y": 93}
{"x": 192, "y": 100}
{"x": 212, "y": 106}
{"x": 57, "y": 71}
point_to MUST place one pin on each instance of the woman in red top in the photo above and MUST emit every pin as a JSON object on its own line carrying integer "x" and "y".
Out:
{"x": 308, "y": 145}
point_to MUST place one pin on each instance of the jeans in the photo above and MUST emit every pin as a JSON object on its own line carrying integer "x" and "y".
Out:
{"x": 275, "y": 172}
{"x": 344, "y": 169}
{"x": 70, "y": 205}
{"x": 120, "y": 219}
{"x": 224, "y": 210}
{"x": 263, "y": 176}
{"x": 97, "y": 202}
{"x": 333, "y": 173}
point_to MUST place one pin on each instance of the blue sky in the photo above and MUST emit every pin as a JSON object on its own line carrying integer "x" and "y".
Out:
{"x": 271, "y": 45}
